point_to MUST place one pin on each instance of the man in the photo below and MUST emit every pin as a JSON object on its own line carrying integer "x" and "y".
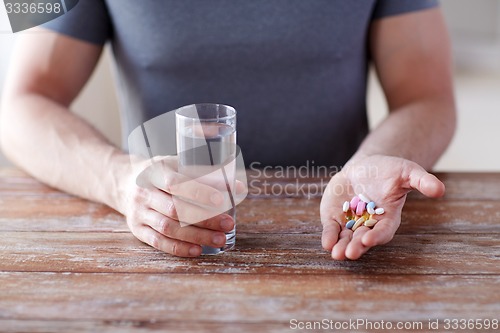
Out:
{"x": 295, "y": 70}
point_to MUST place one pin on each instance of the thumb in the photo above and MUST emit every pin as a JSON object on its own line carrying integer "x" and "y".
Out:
{"x": 424, "y": 182}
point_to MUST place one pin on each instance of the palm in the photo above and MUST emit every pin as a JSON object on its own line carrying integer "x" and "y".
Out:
{"x": 384, "y": 179}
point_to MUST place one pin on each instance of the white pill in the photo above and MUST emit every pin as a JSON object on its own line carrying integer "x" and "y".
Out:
{"x": 379, "y": 211}
{"x": 345, "y": 207}
{"x": 364, "y": 198}
{"x": 370, "y": 210}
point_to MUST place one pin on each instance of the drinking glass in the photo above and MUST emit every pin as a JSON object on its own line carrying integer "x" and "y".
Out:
{"x": 206, "y": 149}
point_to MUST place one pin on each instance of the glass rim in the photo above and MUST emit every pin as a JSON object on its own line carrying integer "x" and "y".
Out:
{"x": 232, "y": 110}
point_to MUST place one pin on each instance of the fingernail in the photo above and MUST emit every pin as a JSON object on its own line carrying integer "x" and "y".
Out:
{"x": 219, "y": 239}
{"x": 194, "y": 251}
{"x": 216, "y": 198}
{"x": 226, "y": 224}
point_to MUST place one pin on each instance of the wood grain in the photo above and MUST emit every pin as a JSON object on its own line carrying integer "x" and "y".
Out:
{"x": 69, "y": 265}
{"x": 462, "y": 185}
{"x": 148, "y": 325}
{"x": 257, "y": 215}
{"x": 255, "y": 253}
{"x": 248, "y": 298}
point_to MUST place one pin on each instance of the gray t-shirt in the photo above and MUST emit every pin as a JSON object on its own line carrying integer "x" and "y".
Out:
{"x": 295, "y": 70}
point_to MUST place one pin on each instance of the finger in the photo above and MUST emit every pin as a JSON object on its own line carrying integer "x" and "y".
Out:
{"x": 176, "y": 247}
{"x": 187, "y": 212}
{"x": 190, "y": 214}
{"x": 223, "y": 222}
{"x": 338, "y": 251}
{"x": 162, "y": 203}
{"x": 176, "y": 184}
{"x": 330, "y": 235}
{"x": 424, "y": 182}
{"x": 355, "y": 249}
{"x": 192, "y": 234}
{"x": 330, "y": 216}
{"x": 382, "y": 233}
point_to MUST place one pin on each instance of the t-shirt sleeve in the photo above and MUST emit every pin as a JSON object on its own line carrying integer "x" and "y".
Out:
{"x": 89, "y": 21}
{"x": 385, "y": 8}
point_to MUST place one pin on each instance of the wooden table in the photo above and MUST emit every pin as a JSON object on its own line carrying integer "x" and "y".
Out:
{"x": 68, "y": 265}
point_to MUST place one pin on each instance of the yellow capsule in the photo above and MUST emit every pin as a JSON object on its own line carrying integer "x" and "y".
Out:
{"x": 358, "y": 223}
{"x": 370, "y": 223}
{"x": 349, "y": 216}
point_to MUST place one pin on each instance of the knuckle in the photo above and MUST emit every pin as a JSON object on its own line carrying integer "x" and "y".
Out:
{"x": 176, "y": 249}
{"x": 165, "y": 226}
{"x": 154, "y": 241}
{"x": 147, "y": 198}
{"x": 133, "y": 223}
{"x": 134, "y": 227}
{"x": 141, "y": 196}
{"x": 197, "y": 238}
{"x": 170, "y": 181}
{"x": 135, "y": 197}
{"x": 170, "y": 209}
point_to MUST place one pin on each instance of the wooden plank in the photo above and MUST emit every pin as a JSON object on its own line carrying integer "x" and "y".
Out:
{"x": 125, "y": 326}
{"x": 61, "y": 213}
{"x": 23, "y": 200}
{"x": 279, "y": 215}
{"x": 245, "y": 298}
{"x": 451, "y": 216}
{"x": 254, "y": 253}
{"x": 444, "y": 263}
{"x": 470, "y": 186}
{"x": 14, "y": 182}
{"x": 298, "y": 215}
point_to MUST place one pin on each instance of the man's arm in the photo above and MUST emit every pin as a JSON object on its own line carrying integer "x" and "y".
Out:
{"x": 411, "y": 53}
{"x": 41, "y": 135}
{"x": 412, "y": 57}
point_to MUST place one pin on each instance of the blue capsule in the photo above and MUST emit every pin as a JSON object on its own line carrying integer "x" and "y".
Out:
{"x": 350, "y": 224}
{"x": 370, "y": 208}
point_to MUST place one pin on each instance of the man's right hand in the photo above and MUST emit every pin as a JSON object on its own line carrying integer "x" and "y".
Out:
{"x": 42, "y": 136}
{"x": 151, "y": 207}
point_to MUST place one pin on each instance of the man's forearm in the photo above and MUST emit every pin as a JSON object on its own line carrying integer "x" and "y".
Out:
{"x": 60, "y": 149}
{"x": 419, "y": 131}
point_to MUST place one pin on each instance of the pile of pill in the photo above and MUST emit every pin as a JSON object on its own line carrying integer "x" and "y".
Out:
{"x": 360, "y": 211}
